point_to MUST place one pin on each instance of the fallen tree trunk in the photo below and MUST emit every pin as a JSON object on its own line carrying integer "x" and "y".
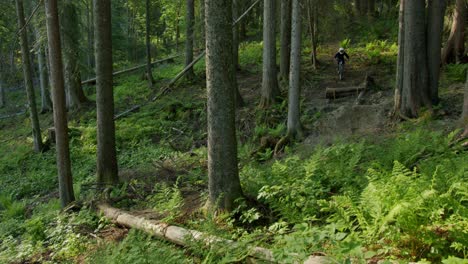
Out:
{"x": 117, "y": 73}
{"x": 182, "y": 236}
{"x": 128, "y": 111}
{"x": 186, "y": 69}
{"x": 12, "y": 115}
{"x": 174, "y": 234}
{"x": 333, "y": 93}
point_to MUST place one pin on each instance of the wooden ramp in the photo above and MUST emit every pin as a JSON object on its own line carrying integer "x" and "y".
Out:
{"x": 337, "y": 92}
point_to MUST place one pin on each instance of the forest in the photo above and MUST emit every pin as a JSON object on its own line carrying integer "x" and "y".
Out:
{"x": 234, "y": 131}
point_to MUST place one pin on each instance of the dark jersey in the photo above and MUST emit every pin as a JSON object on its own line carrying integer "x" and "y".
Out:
{"x": 341, "y": 56}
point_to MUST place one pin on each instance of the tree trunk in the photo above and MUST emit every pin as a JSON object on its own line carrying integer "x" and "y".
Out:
{"x": 2, "y": 92}
{"x": 177, "y": 26}
{"x": 235, "y": 33}
{"x": 401, "y": 53}
{"x": 357, "y": 6}
{"x": 224, "y": 184}
{"x": 312, "y": 13}
{"x": 455, "y": 47}
{"x": 285, "y": 51}
{"x": 149, "y": 71}
{"x": 235, "y": 53}
{"x": 90, "y": 22}
{"x": 202, "y": 24}
{"x": 190, "y": 21}
{"x": 435, "y": 23}
{"x": 46, "y": 103}
{"x": 107, "y": 172}
{"x": 465, "y": 109}
{"x": 294, "y": 112}
{"x": 371, "y": 7}
{"x": 243, "y": 23}
{"x": 364, "y": 7}
{"x": 60, "y": 117}
{"x": 71, "y": 40}
{"x": 28, "y": 80}
{"x": 415, "y": 90}
{"x": 2, "y": 88}
{"x": 184, "y": 237}
{"x": 270, "y": 89}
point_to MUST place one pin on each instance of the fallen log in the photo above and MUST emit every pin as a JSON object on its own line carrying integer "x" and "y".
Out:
{"x": 359, "y": 91}
{"x": 185, "y": 70}
{"x": 13, "y": 115}
{"x": 128, "y": 111}
{"x": 333, "y": 93}
{"x": 182, "y": 236}
{"x": 117, "y": 73}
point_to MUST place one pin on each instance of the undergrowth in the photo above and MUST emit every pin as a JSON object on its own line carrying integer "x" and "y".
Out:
{"x": 399, "y": 196}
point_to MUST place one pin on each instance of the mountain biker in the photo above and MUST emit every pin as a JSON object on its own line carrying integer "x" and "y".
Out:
{"x": 340, "y": 59}
{"x": 340, "y": 56}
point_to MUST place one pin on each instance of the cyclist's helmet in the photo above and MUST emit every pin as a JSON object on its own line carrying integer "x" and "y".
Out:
{"x": 341, "y": 50}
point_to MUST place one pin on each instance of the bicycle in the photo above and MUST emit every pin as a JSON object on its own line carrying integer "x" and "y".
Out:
{"x": 341, "y": 70}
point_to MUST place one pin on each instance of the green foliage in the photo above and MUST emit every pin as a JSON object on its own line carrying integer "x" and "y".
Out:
{"x": 63, "y": 236}
{"x": 250, "y": 55}
{"x": 456, "y": 72}
{"x": 402, "y": 209}
{"x": 11, "y": 209}
{"x": 360, "y": 201}
{"x": 138, "y": 247}
{"x": 345, "y": 43}
{"x": 293, "y": 186}
{"x": 168, "y": 200}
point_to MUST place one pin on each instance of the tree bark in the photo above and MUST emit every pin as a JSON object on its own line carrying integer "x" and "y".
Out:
{"x": 235, "y": 51}
{"x": 401, "y": 53}
{"x": 285, "y": 49}
{"x": 149, "y": 70}
{"x": 235, "y": 33}
{"x": 312, "y": 13}
{"x": 46, "y": 103}
{"x": 179, "y": 235}
{"x": 60, "y": 118}
{"x": 28, "y": 80}
{"x": 364, "y": 7}
{"x": 455, "y": 47}
{"x": 2, "y": 92}
{"x": 71, "y": 39}
{"x": 294, "y": 112}
{"x": 202, "y": 24}
{"x": 2, "y": 87}
{"x": 190, "y": 36}
{"x": 464, "y": 118}
{"x": 415, "y": 91}
{"x": 357, "y": 6}
{"x": 90, "y": 24}
{"x": 107, "y": 171}
{"x": 243, "y": 23}
{"x": 177, "y": 26}
{"x": 224, "y": 184}
{"x": 371, "y": 7}
{"x": 270, "y": 89}
{"x": 435, "y": 23}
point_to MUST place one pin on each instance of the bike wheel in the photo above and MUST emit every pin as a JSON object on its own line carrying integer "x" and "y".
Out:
{"x": 341, "y": 71}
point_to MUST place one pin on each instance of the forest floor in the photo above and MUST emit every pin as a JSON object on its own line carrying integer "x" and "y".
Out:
{"x": 309, "y": 199}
